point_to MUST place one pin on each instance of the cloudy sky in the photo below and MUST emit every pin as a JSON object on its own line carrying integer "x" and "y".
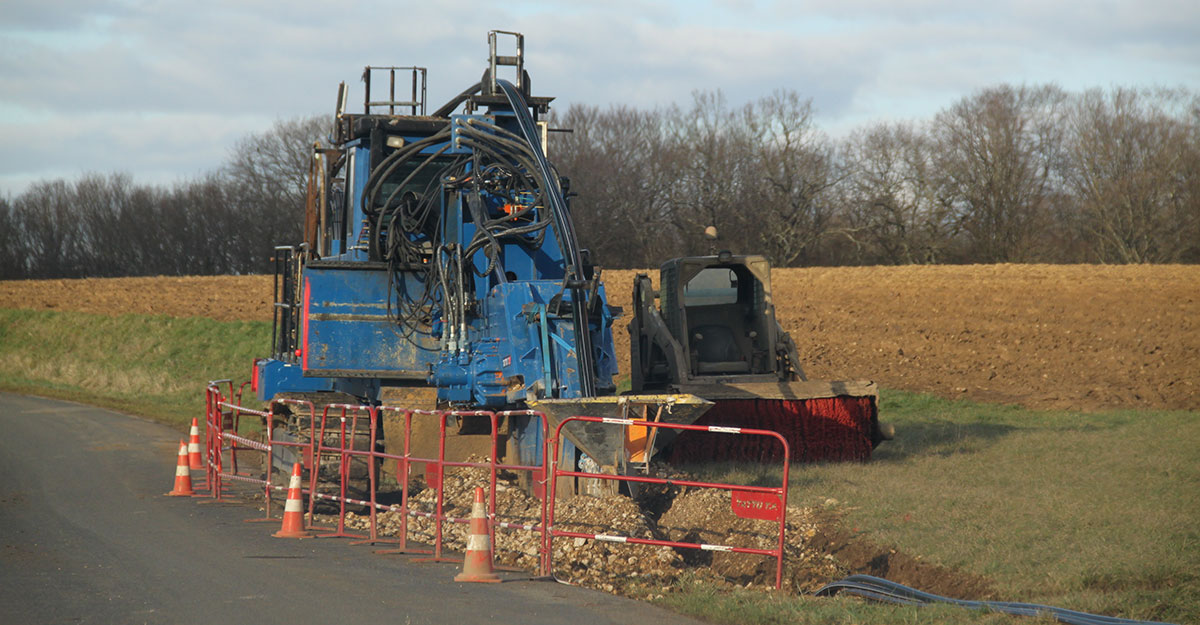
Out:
{"x": 162, "y": 89}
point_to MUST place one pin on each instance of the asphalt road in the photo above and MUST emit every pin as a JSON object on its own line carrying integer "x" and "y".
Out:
{"x": 88, "y": 537}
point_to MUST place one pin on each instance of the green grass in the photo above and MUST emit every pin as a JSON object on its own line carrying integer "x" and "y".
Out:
{"x": 1093, "y": 512}
{"x": 152, "y": 366}
{"x": 1098, "y": 512}
{"x": 741, "y": 607}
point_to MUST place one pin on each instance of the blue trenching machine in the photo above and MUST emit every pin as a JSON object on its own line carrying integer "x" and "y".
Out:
{"x": 441, "y": 269}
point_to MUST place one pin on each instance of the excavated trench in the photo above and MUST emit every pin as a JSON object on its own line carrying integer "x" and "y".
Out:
{"x": 818, "y": 549}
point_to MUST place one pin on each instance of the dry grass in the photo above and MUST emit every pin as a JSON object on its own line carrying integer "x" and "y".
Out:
{"x": 150, "y": 365}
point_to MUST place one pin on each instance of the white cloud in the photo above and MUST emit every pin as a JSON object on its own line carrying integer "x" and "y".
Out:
{"x": 169, "y": 87}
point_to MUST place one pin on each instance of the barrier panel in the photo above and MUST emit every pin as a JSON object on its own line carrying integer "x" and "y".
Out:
{"x": 295, "y": 407}
{"x": 223, "y": 423}
{"x": 440, "y": 518}
{"x": 217, "y": 421}
{"x": 538, "y": 475}
{"x": 345, "y": 454}
{"x": 222, "y": 414}
{"x": 337, "y": 433}
{"x": 762, "y": 502}
{"x": 341, "y": 424}
{"x": 438, "y": 466}
{"x": 403, "y": 461}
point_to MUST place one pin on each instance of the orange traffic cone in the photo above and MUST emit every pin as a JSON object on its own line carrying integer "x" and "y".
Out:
{"x": 194, "y": 460}
{"x": 183, "y": 477}
{"x": 478, "y": 564}
{"x": 293, "y": 510}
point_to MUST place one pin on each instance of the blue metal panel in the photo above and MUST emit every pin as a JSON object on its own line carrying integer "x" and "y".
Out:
{"x": 361, "y": 170}
{"x": 347, "y": 330}
{"x": 276, "y": 377}
{"x": 518, "y": 344}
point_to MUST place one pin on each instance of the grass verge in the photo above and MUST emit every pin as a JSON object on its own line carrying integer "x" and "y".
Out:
{"x": 152, "y": 366}
{"x": 739, "y": 606}
{"x": 1096, "y": 512}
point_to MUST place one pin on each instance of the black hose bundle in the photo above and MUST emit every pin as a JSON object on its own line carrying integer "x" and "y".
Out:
{"x": 567, "y": 241}
{"x": 506, "y": 167}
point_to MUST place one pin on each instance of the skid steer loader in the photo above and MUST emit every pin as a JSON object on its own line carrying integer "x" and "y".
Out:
{"x": 710, "y": 331}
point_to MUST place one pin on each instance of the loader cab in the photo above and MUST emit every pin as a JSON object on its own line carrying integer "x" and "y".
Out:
{"x": 723, "y": 317}
{"x": 714, "y": 321}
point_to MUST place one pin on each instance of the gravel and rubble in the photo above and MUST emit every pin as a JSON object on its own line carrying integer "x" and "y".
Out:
{"x": 816, "y": 550}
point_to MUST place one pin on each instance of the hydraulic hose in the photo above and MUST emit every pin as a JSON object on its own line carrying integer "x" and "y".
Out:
{"x": 446, "y": 108}
{"x": 567, "y": 241}
{"x": 878, "y": 589}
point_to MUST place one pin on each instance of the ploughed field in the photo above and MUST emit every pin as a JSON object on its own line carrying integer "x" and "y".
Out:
{"x": 1082, "y": 337}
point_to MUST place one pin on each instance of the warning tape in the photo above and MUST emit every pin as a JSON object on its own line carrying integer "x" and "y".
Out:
{"x": 260, "y": 413}
{"x": 246, "y": 442}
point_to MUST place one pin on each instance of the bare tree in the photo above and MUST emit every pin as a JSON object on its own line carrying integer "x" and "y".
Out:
{"x": 1000, "y": 153}
{"x": 54, "y": 245}
{"x": 622, "y": 167}
{"x": 1007, "y": 174}
{"x": 275, "y": 162}
{"x": 268, "y": 172}
{"x": 12, "y": 263}
{"x": 797, "y": 168}
{"x": 893, "y": 200}
{"x": 1133, "y": 170}
{"x": 714, "y": 181}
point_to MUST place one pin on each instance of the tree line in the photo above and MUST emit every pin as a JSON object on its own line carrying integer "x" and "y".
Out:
{"x": 1007, "y": 174}
{"x": 224, "y": 222}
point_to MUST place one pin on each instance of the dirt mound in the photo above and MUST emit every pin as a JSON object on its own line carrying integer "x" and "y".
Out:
{"x": 1043, "y": 336}
{"x": 817, "y": 550}
{"x": 855, "y": 554}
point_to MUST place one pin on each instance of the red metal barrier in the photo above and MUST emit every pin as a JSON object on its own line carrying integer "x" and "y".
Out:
{"x": 769, "y": 503}
{"x": 221, "y": 435}
{"x": 439, "y": 465}
{"x": 344, "y": 455}
{"x": 297, "y": 406}
{"x": 222, "y": 413}
{"x": 538, "y": 477}
{"x": 403, "y": 462}
{"x": 747, "y": 500}
{"x": 345, "y": 450}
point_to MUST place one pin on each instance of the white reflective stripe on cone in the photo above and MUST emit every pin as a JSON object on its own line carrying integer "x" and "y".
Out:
{"x": 479, "y": 542}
